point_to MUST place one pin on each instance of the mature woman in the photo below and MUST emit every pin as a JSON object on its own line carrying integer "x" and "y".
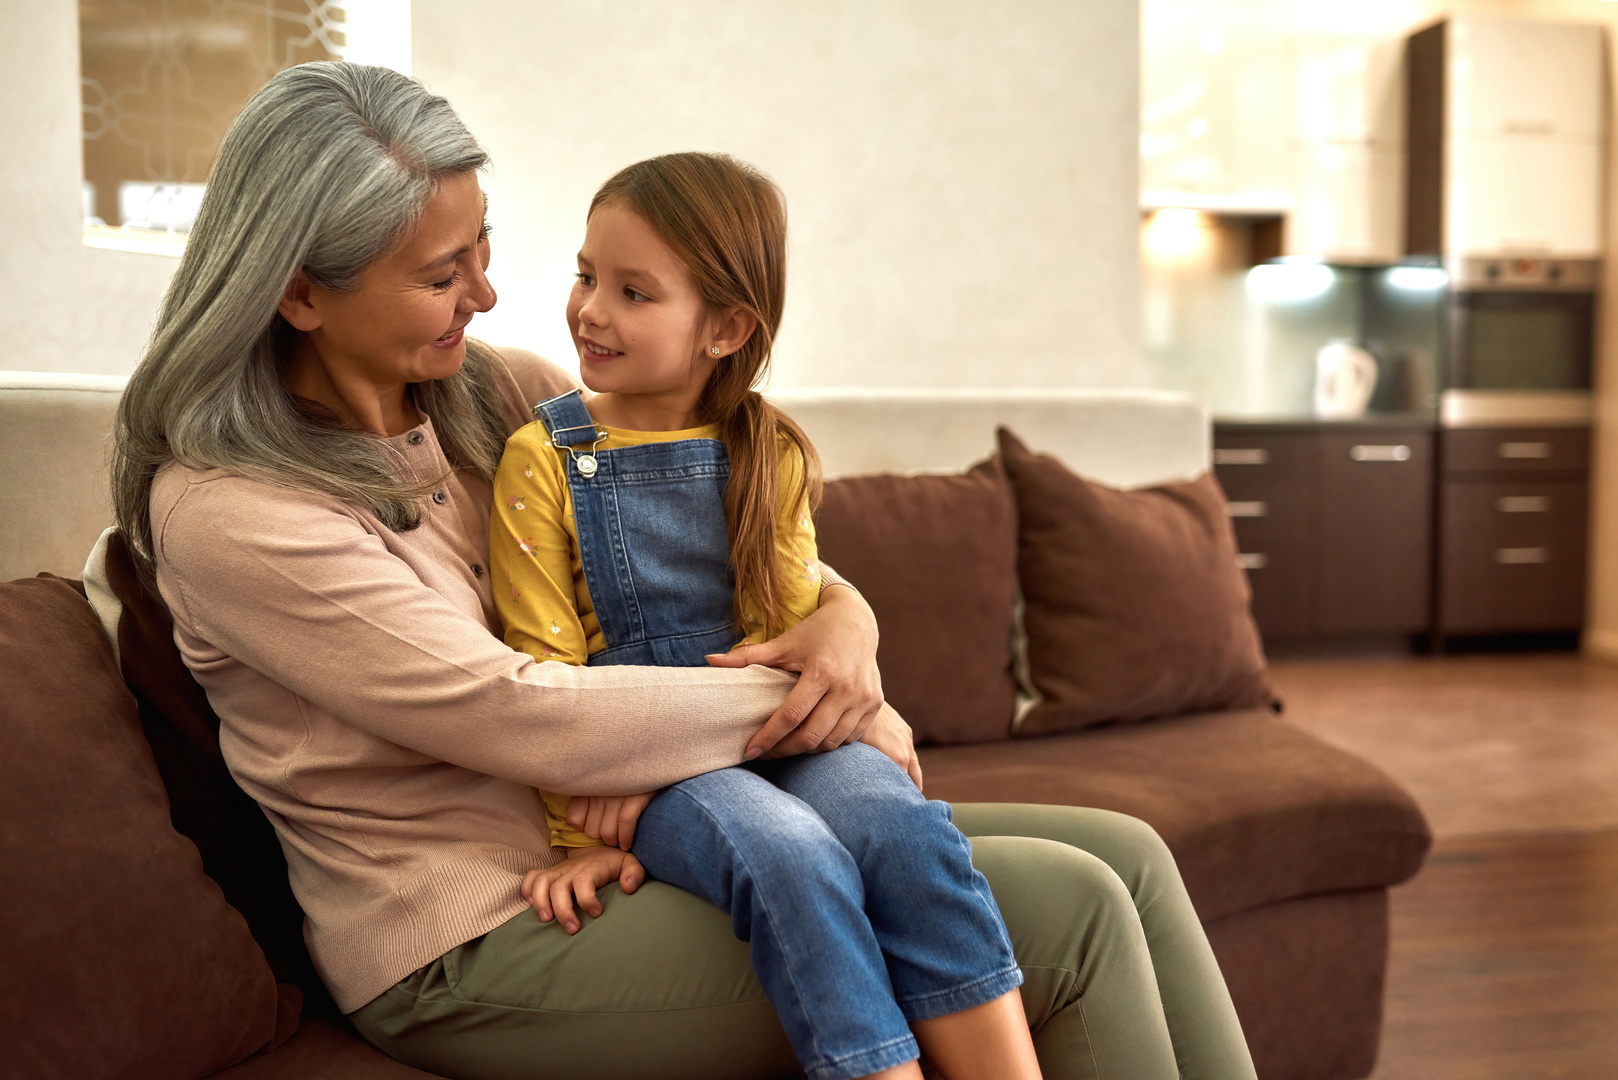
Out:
{"x": 303, "y": 466}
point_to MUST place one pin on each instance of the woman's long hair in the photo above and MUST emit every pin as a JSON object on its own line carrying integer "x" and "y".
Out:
{"x": 326, "y": 170}
{"x": 727, "y": 222}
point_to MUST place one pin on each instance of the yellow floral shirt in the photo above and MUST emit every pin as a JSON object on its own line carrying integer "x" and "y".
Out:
{"x": 538, "y": 578}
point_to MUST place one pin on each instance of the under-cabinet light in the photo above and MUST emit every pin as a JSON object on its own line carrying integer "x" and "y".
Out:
{"x": 1289, "y": 282}
{"x": 1417, "y": 278}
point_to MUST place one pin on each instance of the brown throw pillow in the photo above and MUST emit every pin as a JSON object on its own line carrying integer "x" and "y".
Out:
{"x": 935, "y": 556}
{"x": 238, "y": 844}
{"x": 125, "y": 959}
{"x": 1134, "y": 606}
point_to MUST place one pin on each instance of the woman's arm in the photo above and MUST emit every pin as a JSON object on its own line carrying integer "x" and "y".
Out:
{"x": 296, "y": 587}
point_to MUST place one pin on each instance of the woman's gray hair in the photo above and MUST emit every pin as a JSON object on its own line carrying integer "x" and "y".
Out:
{"x": 327, "y": 169}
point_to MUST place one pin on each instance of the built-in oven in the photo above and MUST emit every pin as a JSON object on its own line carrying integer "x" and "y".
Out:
{"x": 1521, "y": 341}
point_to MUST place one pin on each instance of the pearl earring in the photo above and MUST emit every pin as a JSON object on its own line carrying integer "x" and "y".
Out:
{"x": 714, "y": 350}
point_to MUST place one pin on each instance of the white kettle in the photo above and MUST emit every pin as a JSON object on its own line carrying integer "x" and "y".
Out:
{"x": 1345, "y": 376}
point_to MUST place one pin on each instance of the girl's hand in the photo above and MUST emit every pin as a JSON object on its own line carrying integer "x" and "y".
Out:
{"x": 890, "y": 734}
{"x": 839, "y": 689}
{"x": 609, "y": 818}
{"x": 552, "y": 890}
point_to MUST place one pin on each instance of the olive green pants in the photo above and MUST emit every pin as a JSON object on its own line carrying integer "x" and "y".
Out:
{"x": 1120, "y": 983}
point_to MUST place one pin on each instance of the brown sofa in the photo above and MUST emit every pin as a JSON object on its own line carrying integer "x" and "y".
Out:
{"x": 148, "y": 899}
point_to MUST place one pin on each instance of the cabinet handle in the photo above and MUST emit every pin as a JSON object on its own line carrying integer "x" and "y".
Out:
{"x": 1523, "y": 504}
{"x": 1521, "y": 556}
{"x": 1534, "y": 451}
{"x": 1241, "y": 457}
{"x": 1255, "y": 560}
{"x": 1380, "y": 453}
{"x": 1254, "y": 509}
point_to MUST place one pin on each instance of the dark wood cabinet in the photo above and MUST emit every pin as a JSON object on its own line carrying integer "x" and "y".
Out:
{"x": 1334, "y": 524}
{"x": 1374, "y": 532}
{"x": 1382, "y": 528}
{"x": 1513, "y": 521}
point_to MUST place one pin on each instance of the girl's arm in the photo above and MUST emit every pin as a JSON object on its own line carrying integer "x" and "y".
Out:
{"x": 530, "y": 554}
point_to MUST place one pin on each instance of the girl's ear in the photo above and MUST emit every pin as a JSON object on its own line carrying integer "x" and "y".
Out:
{"x": 296, "y": 305}
{"x": 732, "y": 330}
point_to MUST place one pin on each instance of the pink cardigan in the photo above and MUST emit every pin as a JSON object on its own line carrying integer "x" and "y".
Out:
{"x": 367, "y": 702}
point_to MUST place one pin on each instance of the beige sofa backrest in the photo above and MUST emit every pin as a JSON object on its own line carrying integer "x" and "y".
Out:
{"x": 54, "y": 431}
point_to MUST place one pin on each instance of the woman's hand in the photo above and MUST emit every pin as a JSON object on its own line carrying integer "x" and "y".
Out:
{"x": 839, "y": 688}
{"x": 552, "y": 891}
{"x": 608, "y": 818}
{"x": 890, "y": 734}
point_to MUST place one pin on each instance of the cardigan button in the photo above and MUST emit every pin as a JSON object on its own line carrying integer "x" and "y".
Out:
{"x": 477, "y": 570}
{"x": 415, "y": 438}
{"x": 440, "y": 498}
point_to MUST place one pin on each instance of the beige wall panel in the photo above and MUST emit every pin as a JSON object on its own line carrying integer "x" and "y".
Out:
{"x": 961, "y": 176}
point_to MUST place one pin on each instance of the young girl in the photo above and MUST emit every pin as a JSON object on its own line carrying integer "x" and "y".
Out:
{"x": 668, "y": 518}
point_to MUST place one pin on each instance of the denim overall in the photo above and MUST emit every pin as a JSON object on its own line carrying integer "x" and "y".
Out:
{"x": 857, "y": 896}
{"x": 652, "y": 538}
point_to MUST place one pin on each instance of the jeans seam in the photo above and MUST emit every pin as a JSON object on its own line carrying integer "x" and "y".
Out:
{"x": 869, "y": 1059}
{"x": 964, "y": 989}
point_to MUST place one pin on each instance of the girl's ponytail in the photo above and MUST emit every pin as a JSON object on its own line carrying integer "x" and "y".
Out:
{"x": 757, "y": 435}
{"x": 727, "y": 222}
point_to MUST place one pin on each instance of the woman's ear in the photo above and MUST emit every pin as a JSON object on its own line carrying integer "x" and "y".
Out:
{"x": 732, "y": 330}
{"x": 296, "y": 306}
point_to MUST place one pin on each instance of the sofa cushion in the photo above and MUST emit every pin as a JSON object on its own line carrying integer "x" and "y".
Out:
{"x": 1255, "y": 809}
{"x": 1134, "y": 606}
{"x": 125, "y": 959}
{"x": 323, "y": 1050}
{"x": 935, "y": 556}
{"x": 238, "y": 844}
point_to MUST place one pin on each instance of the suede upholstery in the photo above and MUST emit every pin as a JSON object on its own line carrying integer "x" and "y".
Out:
{"x": 237, "y": 842}
{"x": 935, "y": 557}
{"x": 1134, "y": 606}
{"x": 1255, "y": 810}
{"x": 125, "y": 959}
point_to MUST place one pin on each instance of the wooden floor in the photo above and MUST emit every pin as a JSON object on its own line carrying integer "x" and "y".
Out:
{"x": 1504, "y": 959}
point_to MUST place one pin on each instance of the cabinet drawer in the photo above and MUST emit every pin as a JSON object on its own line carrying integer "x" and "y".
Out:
{"x": 1374, "y": 512}
{"x": 1506, "y": 451}
{"x": 1512, "y": 556}
{"x": 1272, "y": 534}
{"x": 1241, "y": 460}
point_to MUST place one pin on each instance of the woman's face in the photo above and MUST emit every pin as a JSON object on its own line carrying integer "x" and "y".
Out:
{"x": 406, "y": 322}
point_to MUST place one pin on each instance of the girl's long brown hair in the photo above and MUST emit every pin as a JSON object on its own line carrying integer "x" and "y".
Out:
{"x": 727, "y": 222}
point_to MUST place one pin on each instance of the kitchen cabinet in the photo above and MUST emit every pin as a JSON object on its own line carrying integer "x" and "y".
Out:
{"x": 1513, "y": 523}
{"x": 1347, "y": 149}
{"x": 1333, "y": 523}
{"x": 1499, "y": 201}
{"x": 1505, "y": 138}
{"x": 1518, "y": 77}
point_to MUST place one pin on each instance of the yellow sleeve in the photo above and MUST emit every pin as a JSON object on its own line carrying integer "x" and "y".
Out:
{"x": 795, "y": 545}
{"x": 531, "y": 551}
{"x": 795, "y": 539}
{"x": 531, "y": 572}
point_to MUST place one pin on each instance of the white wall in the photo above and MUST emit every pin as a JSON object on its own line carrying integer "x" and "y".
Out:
{"x": 961, "y": 176}
{"x": 69, "y": 308}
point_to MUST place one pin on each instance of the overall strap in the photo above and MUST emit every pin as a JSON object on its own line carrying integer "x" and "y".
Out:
{"x": 567, "y": 420}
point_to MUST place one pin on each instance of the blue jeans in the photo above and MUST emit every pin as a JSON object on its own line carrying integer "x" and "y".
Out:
{"x": 856, "y": 894}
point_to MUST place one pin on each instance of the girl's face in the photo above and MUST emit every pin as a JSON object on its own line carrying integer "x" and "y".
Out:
{"x": 641, "y": 328}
